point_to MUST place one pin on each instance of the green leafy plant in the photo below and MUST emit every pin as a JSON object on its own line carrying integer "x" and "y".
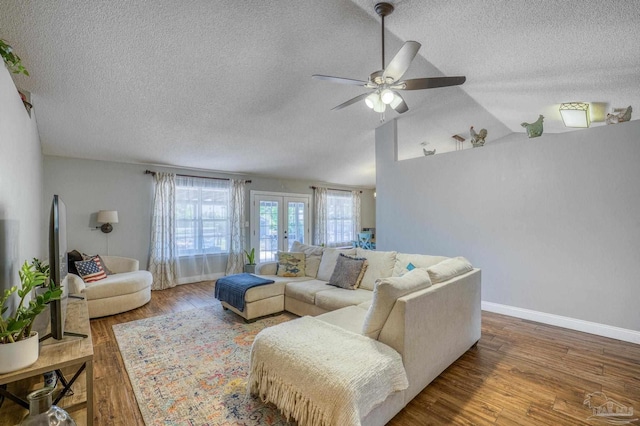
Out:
{"x": 251, "y": 256}
{"x": 13, "y": 61}
{"x": 44, "y": 268}
{"x": 17, "y": 326}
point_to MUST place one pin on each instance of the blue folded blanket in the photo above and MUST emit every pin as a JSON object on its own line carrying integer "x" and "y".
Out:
{"x": 232, "y": 288}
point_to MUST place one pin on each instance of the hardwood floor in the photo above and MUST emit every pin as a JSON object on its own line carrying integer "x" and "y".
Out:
{"x": 520, "y": 373}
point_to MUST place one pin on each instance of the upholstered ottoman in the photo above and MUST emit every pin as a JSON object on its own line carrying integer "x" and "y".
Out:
{"x": 267, "y": 299}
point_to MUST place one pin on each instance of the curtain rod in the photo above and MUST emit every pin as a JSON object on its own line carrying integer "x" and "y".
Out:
{"x": 149, "y": 172}
{"x": 334, "y": 189}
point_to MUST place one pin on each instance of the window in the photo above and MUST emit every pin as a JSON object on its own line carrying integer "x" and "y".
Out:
{"x": 340, "y": 218}
{"x": 202, "y": 216}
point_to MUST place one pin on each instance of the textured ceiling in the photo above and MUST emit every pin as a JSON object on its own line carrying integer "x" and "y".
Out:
{"x": 227, "y": 85}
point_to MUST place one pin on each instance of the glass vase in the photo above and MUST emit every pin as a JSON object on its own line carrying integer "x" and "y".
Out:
{"x": 43, "y": 412}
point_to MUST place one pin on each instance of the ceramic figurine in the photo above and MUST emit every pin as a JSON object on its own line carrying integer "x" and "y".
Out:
{"x": 477, "y": 139}
{"x": 619, "y": 117}
{"x": 534, "y": 129}
{"x": 433, "y": 151}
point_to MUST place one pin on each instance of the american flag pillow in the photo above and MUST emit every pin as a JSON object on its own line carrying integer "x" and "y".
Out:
{"x": 90, "y": 271}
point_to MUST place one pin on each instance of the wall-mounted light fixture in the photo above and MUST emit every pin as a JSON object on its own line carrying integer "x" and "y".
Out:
{"x": 575, "y": 114}
{"x": 107, "y": 217}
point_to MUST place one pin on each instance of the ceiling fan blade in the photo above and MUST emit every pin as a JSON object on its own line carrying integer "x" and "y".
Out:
{"x": 429, "y": 83}
{"x": 350, "y": 101}
{"x": 398, "y": 104}
{"x": 339, "y": 80}
{"x": 400, "y": 63}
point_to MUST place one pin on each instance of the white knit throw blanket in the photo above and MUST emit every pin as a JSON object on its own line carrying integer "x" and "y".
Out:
{"x": 320, "y": 374}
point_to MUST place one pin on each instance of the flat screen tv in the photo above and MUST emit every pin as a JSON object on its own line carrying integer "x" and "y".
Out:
{"x": 58, "y": 264}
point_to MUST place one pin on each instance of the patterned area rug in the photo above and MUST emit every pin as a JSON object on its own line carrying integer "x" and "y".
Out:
{"x": 190, "y": 368}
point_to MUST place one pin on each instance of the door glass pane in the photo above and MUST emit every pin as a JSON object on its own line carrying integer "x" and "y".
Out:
{"x": 268, "y": 230}
{"x": 295, "y": 219}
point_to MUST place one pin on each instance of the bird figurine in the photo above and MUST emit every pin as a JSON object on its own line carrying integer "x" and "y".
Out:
{"x": 477, "y": 139}
{"x": 534, "y": 129}
{"x": 432, "y": 152}
{"x": 619, "y": 117}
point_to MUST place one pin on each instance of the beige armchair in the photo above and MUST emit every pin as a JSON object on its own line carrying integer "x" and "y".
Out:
{"x": 127, "y": 288}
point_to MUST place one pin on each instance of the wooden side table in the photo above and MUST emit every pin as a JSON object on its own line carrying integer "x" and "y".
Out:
{"x": 55, "y": 355}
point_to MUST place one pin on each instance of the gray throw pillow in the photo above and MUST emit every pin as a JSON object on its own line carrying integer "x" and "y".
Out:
{"x": 348, "y": 272}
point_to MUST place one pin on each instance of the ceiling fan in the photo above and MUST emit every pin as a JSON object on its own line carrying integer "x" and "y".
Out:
{"x": 386, "y": 83}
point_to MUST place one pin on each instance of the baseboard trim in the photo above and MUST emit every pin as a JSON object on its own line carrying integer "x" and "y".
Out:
{"x": 604, "y": 330}
{"x": 208, "y": 277}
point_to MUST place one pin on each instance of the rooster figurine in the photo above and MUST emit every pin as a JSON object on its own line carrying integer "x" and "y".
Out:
{"x": 432, "y": 152}
{"x": 619, "y": 117}
{"x": 534, "y": 129}
{"x": 477, "y": 139}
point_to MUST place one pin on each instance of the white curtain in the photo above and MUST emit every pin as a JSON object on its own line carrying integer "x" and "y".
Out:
{"x": 235, "y": 261}
{"x": 320, "y": 216}
{"x": 203, "y": 227}
{"x": 355, "y": 206}
{"x": 162, "y": 258}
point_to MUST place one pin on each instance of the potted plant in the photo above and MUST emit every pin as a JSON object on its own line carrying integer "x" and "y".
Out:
{"x": 13, "y": 61}
{"x": 42, "y": 321}
{"x": 250, "y": 266}
{"x": 18, "y": 343}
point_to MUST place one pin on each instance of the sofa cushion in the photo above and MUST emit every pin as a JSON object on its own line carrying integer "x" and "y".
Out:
{"x": 385, "y": 294}
{"x": 350, "y": 318}
{"x": 417, "y": 260}
{"x": 348, "y": 272}
{"x": 262, "y": 292}
{"x": 312, "y": 257}
{"x": 380, "y": 265}
{"x": 336, "y": 298}
{"x": 118, "y": 284}
{"x": 305, "y": 291}
{"x": 290, "y": 264}
{"x": 329, "y": 260}
{"x": 448, "y": 269}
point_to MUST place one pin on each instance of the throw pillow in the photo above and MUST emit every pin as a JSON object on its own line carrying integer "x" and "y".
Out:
{"x": 385, "y": 294}
{"x": 290, "y": 264}
{"x": 418, "y": 260}
{"x": 348, "y": 272}
{"x": 381, "y": 265}
{"x": 98, "y": 260}
{"x": 312, "y": 257}
{"x": 73, "y": 257}
{"x": 410, "y": 267}
{"x": 448, "y": 269}
{"x": 329, "y": 260}
{"x": 90, "y": 271}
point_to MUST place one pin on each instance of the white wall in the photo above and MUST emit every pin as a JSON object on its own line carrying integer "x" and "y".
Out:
{"x": 87, "y": 186}
{"x": 553, "y": 222}
{"x": 23, "y": 226}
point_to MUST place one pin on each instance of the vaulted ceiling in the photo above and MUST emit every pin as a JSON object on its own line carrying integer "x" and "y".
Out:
{"x": 227, "y": 86}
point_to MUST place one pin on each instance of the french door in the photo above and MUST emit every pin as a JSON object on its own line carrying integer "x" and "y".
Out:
{"x": 277, "y": 220}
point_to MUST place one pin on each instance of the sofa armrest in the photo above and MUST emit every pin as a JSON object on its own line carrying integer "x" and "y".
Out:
{"x": 267, "y": 268}
{"x": 75, "y": 284}
{"x": 118, "y": 264}
{"x": 431, "y": 328}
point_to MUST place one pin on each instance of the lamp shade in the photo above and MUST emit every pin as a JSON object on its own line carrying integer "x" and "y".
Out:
{"x": 575, "y": 114}
{"x": 107, "y": 216}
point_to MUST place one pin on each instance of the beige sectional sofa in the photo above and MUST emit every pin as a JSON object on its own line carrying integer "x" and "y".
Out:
{"x": 430, "y": 328}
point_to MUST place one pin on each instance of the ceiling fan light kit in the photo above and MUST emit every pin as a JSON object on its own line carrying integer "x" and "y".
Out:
{"x": 385, "y": 83}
